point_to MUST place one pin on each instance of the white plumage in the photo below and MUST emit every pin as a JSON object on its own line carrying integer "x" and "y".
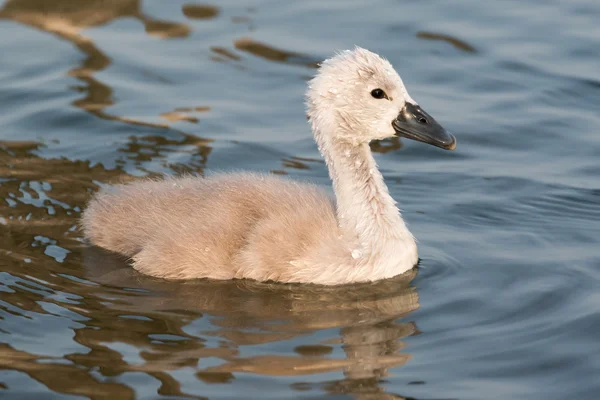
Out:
{"x": 266, "y": 227}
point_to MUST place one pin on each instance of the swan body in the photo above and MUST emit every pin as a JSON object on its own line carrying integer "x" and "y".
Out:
{"x": 265, "y": 227}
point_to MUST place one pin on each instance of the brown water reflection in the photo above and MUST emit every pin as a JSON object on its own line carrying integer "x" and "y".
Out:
{"x": 457, "y": 43}
{"x": 245, "y": 313}
{"x": 386, "y": 145}
{"x": 368, "y": 335}
{"x": 68, "y": 19}
{"x": 155, "y": 148}
{"x": 273, "y": 54}
{"x": 44, "y": 197}
{"x": 199, "y": 11}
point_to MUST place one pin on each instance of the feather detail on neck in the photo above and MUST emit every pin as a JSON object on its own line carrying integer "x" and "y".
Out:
{"x": 365, "y": 209}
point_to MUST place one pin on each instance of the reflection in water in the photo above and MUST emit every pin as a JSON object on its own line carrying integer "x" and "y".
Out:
{"x": 179, "y": 114}
{"x": 155, "y": 148}
{"x": 225, "y": 54}
{"x": 294, "y": 162}
{"x": 174, "y": 116}
{"x": 272, "y": 54}
{"x": 61, "y": 378}
{"x": 386, "y": 145}
{"x": 199, "y": 11}
{"x": 459, "y": 44}
{"x": 42, "y": 198}
{"x": 67, "y": 19}
{"x": 301, "y": 163}
{"x": 250, "y": 313}
{"x": 263, "y": 51}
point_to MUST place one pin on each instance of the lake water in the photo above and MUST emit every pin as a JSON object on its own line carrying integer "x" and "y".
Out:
{"x": 505, "y": 303}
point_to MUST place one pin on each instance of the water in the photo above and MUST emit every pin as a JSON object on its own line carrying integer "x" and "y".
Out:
{"x": 505, "y": 303}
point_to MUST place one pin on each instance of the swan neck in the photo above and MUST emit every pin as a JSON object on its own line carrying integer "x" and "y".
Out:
{"x": 365, "y": 208}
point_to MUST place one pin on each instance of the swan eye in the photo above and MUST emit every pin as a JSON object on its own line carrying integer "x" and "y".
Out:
{"x": 378, "y": 94}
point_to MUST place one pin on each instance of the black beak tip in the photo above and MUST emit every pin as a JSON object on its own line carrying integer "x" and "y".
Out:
{"x": 450, "y": 143}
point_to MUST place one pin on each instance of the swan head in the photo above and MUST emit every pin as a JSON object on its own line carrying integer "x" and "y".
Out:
{"x": 357, "y": 96}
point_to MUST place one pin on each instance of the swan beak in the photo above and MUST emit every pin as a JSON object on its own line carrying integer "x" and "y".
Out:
{"x": 414, "y": 123}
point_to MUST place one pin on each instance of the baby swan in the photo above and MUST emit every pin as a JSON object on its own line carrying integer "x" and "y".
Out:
{"x": 264, "y": 227}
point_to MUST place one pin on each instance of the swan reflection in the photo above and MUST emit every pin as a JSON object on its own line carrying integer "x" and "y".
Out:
{"x": 358, "y": 326}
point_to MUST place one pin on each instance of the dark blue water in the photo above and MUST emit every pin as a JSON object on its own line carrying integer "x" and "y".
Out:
{"x": 506, "y": 301}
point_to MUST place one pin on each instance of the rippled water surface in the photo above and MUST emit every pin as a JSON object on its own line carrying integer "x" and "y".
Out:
{"x": 506, "y": 301}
